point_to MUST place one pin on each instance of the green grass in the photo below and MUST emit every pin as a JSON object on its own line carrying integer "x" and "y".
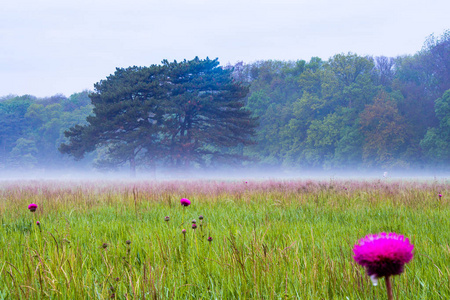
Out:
{"x": 271, "y": 240}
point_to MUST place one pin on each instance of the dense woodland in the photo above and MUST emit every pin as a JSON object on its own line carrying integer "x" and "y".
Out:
{"x": 349, "y": 111}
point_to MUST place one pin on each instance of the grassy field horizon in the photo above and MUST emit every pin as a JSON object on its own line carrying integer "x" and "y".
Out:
{"x": 271, "y": 239}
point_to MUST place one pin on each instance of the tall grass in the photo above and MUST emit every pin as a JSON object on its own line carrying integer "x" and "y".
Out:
{"x": 271, "y": 239}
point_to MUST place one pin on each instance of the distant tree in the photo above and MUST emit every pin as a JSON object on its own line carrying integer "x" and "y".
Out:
{"x": 182, "y": 112}
{"x": 23, "y": 155}
{"x": 437, "y": 139}
{"x": 13, "y": 123}
{"x": 384, "y": 133}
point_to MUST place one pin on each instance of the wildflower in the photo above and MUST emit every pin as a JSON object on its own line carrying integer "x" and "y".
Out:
{"x": 38, "y": 223}
{"x": 440, "y": 195}
{"x": 200, "y": 217}
{"x": 194, "y": 226}
{"x": 183, "y": 231}
{"x": 193, "y": 221}
{"x": 210, "y": 239}
{"x": 105, "y": 245}
{"x": 32, "y": 207}
{"x": 383, "y": 254}
{"x": 167, "y": 219}
{"x": 185, "y": 202}
{"x": 127, "y": 242}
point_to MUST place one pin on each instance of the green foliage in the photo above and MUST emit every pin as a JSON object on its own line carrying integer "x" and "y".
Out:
{"x": 32, "y": 129}
{"x": 436, "y": 141}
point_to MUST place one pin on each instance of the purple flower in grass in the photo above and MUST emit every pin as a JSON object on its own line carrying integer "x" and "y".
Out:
{"x": 194, "y": 226}
{"x": 32, "y": 207}
{"x": 383, "y": 255}
{"x": 185, "y": 202}
{"x": 440, "y": 195}
{"x": 38, "y": 223}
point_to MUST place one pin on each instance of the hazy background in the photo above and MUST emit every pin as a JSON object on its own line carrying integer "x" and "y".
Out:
{"x": 51, "y": 46}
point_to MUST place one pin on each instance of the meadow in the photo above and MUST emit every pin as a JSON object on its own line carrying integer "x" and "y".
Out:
{"x": 265, "y": 239}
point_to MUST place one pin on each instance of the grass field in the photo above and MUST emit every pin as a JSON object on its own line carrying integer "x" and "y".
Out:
{"x": 270, "y": 239}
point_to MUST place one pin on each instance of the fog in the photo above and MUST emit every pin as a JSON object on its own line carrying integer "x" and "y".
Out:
{"x": 232, "y": 174}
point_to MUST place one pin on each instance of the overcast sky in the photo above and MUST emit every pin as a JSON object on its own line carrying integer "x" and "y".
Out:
{"x": 59, "y": 46}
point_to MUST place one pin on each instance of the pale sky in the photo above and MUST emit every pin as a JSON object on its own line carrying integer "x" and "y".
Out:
{"x": 57, "y": 46}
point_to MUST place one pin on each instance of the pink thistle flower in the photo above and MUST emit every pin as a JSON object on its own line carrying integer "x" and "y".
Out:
{"x": 440, "y": 195}
{"x": 383, "y": 254}
{"x": 185, "y": 202}
{"x": 38, "y": 223}
{"x": 32, "y": 207}
{"x": 194, "y": 226}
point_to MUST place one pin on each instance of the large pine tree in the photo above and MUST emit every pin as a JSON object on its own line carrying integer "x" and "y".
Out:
{"x": 178, "y": 112}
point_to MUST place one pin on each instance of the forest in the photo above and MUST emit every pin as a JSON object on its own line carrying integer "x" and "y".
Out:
{"x": 349, "y": 111}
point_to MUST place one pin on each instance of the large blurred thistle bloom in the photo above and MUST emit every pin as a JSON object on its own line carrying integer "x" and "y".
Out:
{"x": 383, "y": 254}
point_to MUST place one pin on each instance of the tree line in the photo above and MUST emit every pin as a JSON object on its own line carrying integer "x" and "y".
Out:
{"x": 350, "y": 111}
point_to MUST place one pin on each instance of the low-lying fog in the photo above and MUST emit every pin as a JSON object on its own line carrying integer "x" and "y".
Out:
{"x": 224, "y": 174}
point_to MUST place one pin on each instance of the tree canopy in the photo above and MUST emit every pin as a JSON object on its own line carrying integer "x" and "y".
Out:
{"x": 177, "y": 113}
{"x": 349, "y": 111}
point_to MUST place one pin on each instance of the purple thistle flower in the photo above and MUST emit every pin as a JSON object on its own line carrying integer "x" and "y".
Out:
{"x": 194, "y": 226}
{"x": 167, "y": 218}
{"x": 383, "y": 254}
{"x": 183, "y": 231}
{"x": 185, "y": 202}
{"x": 210, "y": 239}
{"x": 38, "y": 223}
{"x": 32, "y": 207}
{"x": 440, "y": 195}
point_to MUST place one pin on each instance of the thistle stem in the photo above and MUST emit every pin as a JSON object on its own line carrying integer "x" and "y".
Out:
{"x": 389, "y": 287}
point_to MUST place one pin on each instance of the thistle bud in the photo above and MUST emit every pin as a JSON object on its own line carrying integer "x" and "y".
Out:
{"x": 194, "y": 226}
{"x": 210, "y": 239}
{"x": 200, "y": 217}
{"x": 167, "y": 219}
